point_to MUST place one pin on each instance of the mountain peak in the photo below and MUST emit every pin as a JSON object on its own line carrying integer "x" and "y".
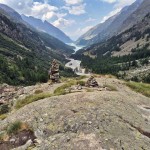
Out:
{"x": 47, "y": 27}
{"x": 10, "y": 12}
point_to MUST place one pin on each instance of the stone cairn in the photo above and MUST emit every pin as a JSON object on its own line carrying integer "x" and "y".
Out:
{"x": 92, "y": 82}
{"x": 54, "y": 72}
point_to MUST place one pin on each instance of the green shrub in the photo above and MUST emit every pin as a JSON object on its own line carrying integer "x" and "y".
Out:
{"x": 3, "y": 116}
{"x": 82, "y": 83}
{"x": 4, "y": 109}
{"x": 38, "y": 91}
{"x": 81, "y": 77}
{"x": 14, "y": 127}
{"x": 31, "y": 98}
{"x": 142, "y": 88}
{"x": 62, "y": 89}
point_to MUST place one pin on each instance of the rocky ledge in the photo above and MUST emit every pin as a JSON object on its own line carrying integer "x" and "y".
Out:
{"x": 95, "y": 120}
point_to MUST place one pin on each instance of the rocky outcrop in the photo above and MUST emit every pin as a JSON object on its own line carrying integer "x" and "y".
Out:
{"x": 7, "y": 93}
{"x": 89, "y": 120}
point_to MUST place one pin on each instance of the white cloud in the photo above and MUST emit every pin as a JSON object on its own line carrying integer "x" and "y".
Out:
{"x": 109, "y": 1}
{"x": 112, "y": 13}
{"x": 90, "y": 20}
{"x": 73, "y": 2}
{"x": 119, "y": 4}
{"x": 36, "y": 9}
{"x": 63, "y": 23}
{"x": 76, "y": 10}
{"x": 81, "y": 31}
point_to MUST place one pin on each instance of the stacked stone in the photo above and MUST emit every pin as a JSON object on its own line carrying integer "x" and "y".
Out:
{"x": 92, "y": 82}
{"x": 54, "y": 71}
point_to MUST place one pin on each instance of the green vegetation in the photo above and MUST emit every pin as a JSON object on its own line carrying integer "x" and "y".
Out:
{"x": 4, "y": 109}
{"x": 14, "y": 127}
{"x": 105, "y": 63}
{"x": 25, "y": 59}
{"x": 81, "y": 77}
{"x": 140, "y": 87}
{"x": 3, "y": 116}
{"x": 82, "y": 83}
{"x": 31, "y": 98}
{"x": 38, "y": 95}
{"x": 38, "y": 91}
{"x": 112, "y": 65}
{"x": 62, "y": 89}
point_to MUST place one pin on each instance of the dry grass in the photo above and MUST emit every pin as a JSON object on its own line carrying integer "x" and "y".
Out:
{"x": 62, "y": 89}
{"x": 3, "y": 116}
{"x": 110, "y": 87}
{"x": 31, "y": 98}
{"x": 142, "y": 88}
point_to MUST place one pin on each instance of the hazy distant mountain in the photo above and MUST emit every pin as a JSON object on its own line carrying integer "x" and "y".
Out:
{"x": 9, "y": 12}
{"x": 126, "y": 55}
{"x": 112, "y": 26}
{"x": 136, "y": 16}
{"x": 89, "y": 35}
{"x": 47, "y": 27}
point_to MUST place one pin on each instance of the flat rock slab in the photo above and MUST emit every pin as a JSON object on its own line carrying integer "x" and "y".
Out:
{"x": 94, "y": 120}
{"x": 98, "y": 120}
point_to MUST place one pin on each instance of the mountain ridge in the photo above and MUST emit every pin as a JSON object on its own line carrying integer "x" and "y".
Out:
{"x": 114, "y": 26}
{"x": 25, "y": 52}
{"x": 45, "y": 26}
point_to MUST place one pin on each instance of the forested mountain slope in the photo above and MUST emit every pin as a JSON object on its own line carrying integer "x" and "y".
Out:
{"x": 130, "y": 49}
{"x": 48, "y": 28}
{"x": 25, "y": 53}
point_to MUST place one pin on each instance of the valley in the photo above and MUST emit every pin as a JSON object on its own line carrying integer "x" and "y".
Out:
{"x": 74, "y": 75}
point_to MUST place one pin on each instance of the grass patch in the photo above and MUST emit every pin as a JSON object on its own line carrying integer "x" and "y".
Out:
{"x": 38, "y": 95}
{"x": 31, "y": 98}
{"x": 14, "y": 127}
{"x": 82, "y": 83}
{"x": 142, "y": 88}
{"x": 81, "y": 77}
{"x": 38, "y": 91}
{"x": 4, "y": 109}
{"x": 3, "y": 116}
{"x": 89, "y": 90}
{"x": 62, "y": 89}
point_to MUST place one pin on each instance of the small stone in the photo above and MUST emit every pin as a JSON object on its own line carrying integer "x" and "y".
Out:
{"x": 12, "y": 140}
{"x": 38, "y": 141}
{"x": 79, "y": 87}
{"x": 89, "y": 122}
{"x": 41, "y": 119}
{"x": 68, "y": 139}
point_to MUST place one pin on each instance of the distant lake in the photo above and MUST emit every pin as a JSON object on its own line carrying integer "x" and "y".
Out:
{"x": 77, "y": 47}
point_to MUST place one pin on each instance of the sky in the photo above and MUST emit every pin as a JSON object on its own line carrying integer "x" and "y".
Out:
{"x": 74, "y": 17}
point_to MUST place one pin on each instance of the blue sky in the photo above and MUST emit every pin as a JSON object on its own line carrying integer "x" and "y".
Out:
{"x": 74, "y": 17}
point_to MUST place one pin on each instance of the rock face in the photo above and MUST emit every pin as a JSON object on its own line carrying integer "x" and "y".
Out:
{"x": 54, "y": 71}
{"x": 110, "y": 120}
{"x": 7, "y": 93}
{"x": 92, "y": 82}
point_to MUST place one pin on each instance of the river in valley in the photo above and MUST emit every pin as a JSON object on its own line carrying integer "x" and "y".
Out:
{"x": 75, "y": 65}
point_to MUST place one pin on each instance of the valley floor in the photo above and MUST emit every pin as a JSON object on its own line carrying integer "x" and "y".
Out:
{"x": 91, "y": 119}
